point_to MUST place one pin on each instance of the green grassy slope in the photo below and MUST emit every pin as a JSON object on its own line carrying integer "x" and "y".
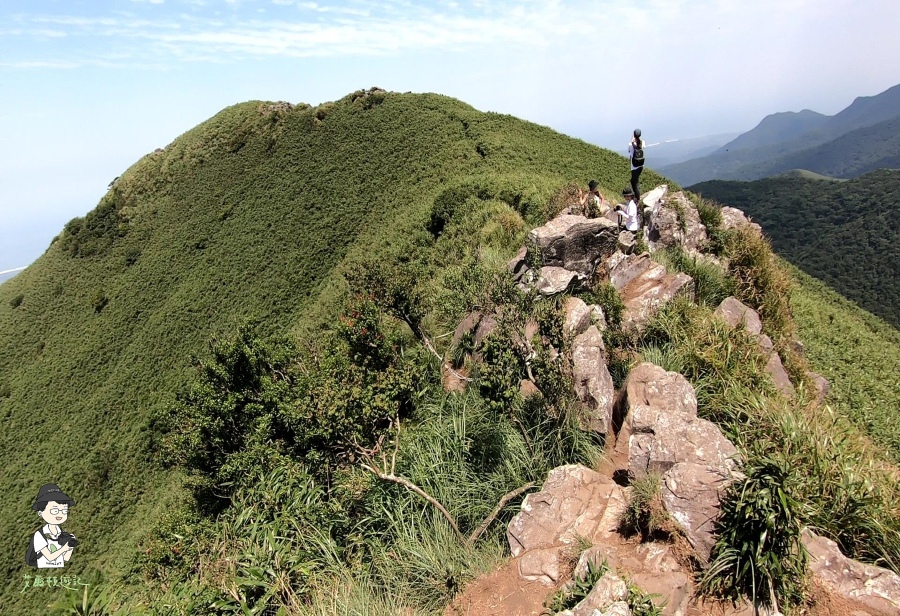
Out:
{"x": 249, "y": 215}
{"x": 840, "y": 232}
{"x": 858, "y": 353}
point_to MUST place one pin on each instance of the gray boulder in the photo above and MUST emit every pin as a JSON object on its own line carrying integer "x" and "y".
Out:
{"x": 574, "y": 501}
{"x": 733, "y": 218}
{"x": 674, "y": 221}
{"x": 691, "y": 494}
{"x": 552, "y": 280}
{"x": 734, "y": 312}
{"x": 592, "y": 382}
{"x": 874, "y": 589}
{"x": 609, "y": 589}
{"x": 575, "y": 243}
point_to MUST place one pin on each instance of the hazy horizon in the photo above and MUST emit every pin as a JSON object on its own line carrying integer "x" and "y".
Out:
{"x": 90, "y": 88}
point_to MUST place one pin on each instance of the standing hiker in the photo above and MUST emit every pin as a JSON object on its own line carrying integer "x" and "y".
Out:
{"x": 593, "y": 204}
{"x": 636, "y": 155}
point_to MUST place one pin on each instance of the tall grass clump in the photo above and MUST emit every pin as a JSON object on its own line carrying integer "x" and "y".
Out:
{"x": 711, "y": 282}
{"x": 758, "y": 552}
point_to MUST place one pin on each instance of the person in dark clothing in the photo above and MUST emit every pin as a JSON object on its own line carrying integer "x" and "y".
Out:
{"x": 636, "y": 156}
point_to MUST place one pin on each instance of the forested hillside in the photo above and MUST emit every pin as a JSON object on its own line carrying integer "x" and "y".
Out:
{"x": 253, "y": 215}
{"x": 839, "y": 232}
{"x": 247, "y": 366}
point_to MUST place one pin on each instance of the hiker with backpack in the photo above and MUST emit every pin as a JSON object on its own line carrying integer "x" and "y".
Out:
{"x": 636, "y": 155}
{"x": 593, "y": 205}
{"x": 51, "y": 547}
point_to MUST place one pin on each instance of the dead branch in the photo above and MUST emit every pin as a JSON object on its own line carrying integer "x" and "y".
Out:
{"x": 503, "y": 501}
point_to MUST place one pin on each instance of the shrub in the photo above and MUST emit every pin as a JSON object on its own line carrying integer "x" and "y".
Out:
{"x": 572, "y": 594}
{"x": 99, "y": 300}
{"x": 16, "y": 301}
{"x": 644, "y": 513}
{"x": 758, "y": 552}
{"x": 609, "y": 300}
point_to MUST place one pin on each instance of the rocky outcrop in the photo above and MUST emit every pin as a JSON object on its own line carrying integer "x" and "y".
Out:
{"x": 644, "y": 287}
{"x": 552, "y": 280}
{"x": 733, "y": 218}
{"x": 575, "y": 243}
{"x": 674, "y": 221}
{"x": 872, "y": 588}
{"x": 735, "y": 313}
{"x": 591, "y": 380}
{"x": 691, "y": 494}
{"x": 574, "y": 501}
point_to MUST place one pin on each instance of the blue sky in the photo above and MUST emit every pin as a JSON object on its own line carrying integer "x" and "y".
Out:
{"x": 88, "y": 87}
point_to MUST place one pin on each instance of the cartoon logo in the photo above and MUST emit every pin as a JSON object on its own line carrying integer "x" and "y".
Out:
{"x": 51, "y": 546}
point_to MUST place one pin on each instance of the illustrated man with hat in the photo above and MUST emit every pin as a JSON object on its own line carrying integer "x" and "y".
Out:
{"x": 51, "y": 547}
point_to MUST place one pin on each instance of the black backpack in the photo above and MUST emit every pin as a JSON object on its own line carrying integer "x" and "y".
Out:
{"x": 637, "y": 157}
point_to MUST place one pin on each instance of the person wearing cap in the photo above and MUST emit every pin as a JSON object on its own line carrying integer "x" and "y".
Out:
{"x": 636, "y": 143}
{"x": 52, "y": 505}
{"x": 629, "y": 211}
{"x": 593, "y": 204}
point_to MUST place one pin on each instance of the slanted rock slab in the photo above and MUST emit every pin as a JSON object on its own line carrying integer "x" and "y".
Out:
{"x": 674, "y": 221}
{"x": 871, "y": 587}
{"x": 691, "y": 494}
{"x": 572, "y": 502}
{"x": 575, "y": 243}
{"x": 592, "y": 382}
{"x": 577, "y": 316}
{"x": 734, "y": 312}
{"x": 649, "y": 292}
{"x": 608, "y": 590}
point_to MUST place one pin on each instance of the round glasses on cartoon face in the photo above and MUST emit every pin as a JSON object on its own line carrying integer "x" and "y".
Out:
{"x": 54, "y": 513}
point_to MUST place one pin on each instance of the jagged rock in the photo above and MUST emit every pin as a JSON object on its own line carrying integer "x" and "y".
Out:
{"x": 619, "y": 608}
{"x": 622, "y": 268}
{"x": 733, "y": 218}
{"x": 541, "y": 566}
{"x": 486, "y": 327}
{"x": 776, "y": 370}
{"x": 674, "y": 221}
{"x": 575, "y": 243}
{"x": 648, "y": 384}
{"x": 574, "y": 501}
{"x": 659, "y": 426}
{"x": 649, "y": 292}
{"x": 870, "y": 587}
{"x": 735, "y": 312}
{"x": 528, "y": 389}
{"x": 651, "y": 198}
{"x": 608, "y": 590}
{"x": 518, "y": 264}
{"x": 553, "y": 280}
{"x": 691, "y": 495}
{"x": 577, "y": 316}
{"x": 465, "y": 326}
{"x": 592, "y": 382}
{"x": 597, "y": 317}
{"x": 661, "y": 439}
{"x": 651, "y": 566}
{"x": 626, "y": 241}
{"x": 821, "y": 385}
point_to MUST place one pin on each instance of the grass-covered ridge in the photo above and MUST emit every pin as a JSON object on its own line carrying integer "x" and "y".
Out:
{"x": 254, "y": 214}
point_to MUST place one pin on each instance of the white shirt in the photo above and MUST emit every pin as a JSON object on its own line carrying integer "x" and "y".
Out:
{"x": 631, "y": 154}
{"x": 40, "y": 543}
{"x": 630, "y": 214}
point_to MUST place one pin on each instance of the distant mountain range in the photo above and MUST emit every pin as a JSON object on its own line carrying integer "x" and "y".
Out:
{"x": 841, "y": 232}
{"x": 863, "y": 137}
